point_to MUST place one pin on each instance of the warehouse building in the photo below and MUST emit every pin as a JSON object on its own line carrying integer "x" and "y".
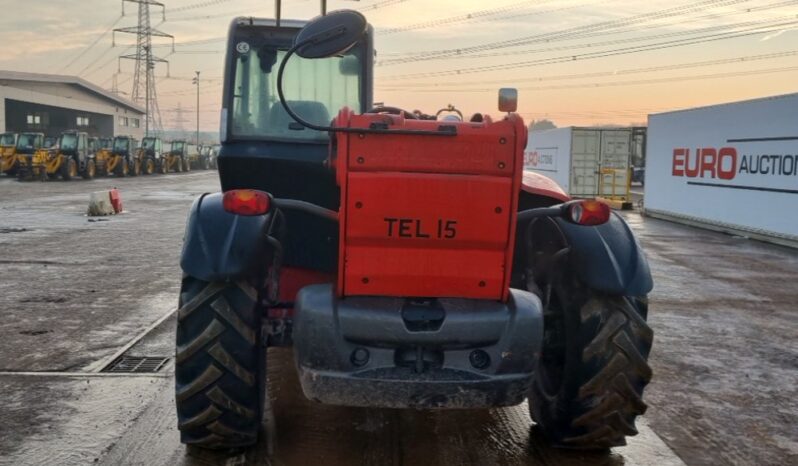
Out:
{"x": 51, "y": 104}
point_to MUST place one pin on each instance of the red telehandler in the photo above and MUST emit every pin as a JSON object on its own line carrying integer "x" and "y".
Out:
{"x": 409, "y": 262}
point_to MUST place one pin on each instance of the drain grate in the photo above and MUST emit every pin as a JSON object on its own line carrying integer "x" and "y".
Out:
{"x": 136, "y": 364}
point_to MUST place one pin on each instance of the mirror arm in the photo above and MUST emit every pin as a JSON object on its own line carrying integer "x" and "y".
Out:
{"x": 280, "y": 94}
{"x": 307, "y": 124}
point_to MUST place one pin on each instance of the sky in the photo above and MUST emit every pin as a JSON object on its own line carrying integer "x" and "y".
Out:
{"x": 574, "y": 62}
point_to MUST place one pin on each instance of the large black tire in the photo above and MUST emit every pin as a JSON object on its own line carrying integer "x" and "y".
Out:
{"x": 588, "y": 389}
{"x": 68, "y": 169}
{"x": 90, "y": 171}
{"x": 122, "y": 168}
{"x": 220, "y": 364}
{"x": 149, "y": 166}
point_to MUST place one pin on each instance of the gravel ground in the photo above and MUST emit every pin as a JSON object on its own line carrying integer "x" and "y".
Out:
{"x": 73, "y": 292}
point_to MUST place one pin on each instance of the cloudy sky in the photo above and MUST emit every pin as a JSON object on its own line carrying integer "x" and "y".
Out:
{"x": 576, "y": 62}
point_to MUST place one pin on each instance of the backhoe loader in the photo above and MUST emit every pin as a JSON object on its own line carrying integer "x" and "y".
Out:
{"x": 28, "y": 144}
{"x": 70, "y": 157}
{"x": 176, "y": 159}
{"x": 148, "y": 158}
{"x": 119, "y": 158}
{"x": 8, "y": 160}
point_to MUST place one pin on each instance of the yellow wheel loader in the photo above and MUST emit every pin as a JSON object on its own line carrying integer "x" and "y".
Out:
{"x": 148, "y": 157}
{"x": 176, "y": 159}
{"x": 8, "y": 157}
{"x": 119, "y": 159}
{"x": 102, "y": 155}
{"x": 69, "y": 158}
{"x": 28, "y": 144}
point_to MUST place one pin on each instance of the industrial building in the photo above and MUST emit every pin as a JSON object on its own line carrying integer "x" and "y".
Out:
{"x": 51, "y": 104}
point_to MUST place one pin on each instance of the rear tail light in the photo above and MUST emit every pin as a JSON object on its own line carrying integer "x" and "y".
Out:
{"x": 246, "y": 202}
{"x": 589, "y": 213}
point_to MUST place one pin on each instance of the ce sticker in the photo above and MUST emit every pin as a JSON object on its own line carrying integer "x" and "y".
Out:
{"x": 242, "y": 47}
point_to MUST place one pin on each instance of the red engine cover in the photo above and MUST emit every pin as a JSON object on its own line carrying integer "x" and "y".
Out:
{"x": 428, "y": 216}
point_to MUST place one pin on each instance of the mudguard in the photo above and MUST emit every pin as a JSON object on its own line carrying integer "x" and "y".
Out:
{"x": 220, "y": 246}
{"x": 608, "y": 257}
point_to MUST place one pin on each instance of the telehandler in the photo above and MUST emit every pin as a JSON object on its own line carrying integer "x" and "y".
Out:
{"x": 204, "y": 153}
{"x": 177, "y": 158}
{"x": 28, "y": 144}
{"x": 8, "y": 158}
{"x": 410, "y": 263}
{"x": 149, "y": 157}
{"x": 68, "y": 158}
{"x": 114, "y": 155}
{"x": 198, "y": 157}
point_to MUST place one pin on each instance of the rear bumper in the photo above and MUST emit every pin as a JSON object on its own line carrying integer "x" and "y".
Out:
{"x": 398, "y": 353}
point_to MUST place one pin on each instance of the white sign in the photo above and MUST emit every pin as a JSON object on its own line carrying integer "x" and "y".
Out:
{"x": 541, "y": 158}
{"x": 734, "y": 165}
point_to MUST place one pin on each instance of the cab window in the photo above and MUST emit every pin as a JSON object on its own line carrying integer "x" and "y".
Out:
{"x": 315, "y": 89}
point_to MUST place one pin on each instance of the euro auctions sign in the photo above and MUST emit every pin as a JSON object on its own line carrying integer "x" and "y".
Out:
{"x": 732, "y": 165}
{"x": 726, "y": 163}
{"x": 541, "y": 158}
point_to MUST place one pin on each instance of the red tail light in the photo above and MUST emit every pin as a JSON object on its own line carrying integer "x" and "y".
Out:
{"x": 246, "y": 202}
{"x": 589, "y": 213}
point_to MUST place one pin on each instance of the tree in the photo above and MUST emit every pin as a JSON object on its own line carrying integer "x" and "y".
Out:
{"x": 540, "y": 125}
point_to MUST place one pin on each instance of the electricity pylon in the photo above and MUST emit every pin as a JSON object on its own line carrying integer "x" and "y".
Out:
{"x": 143, "y": 74}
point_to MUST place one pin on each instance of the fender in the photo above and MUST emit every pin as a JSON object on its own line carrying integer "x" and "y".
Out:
{"x": 608, "y": 257}
{"x": 221, "y": 246}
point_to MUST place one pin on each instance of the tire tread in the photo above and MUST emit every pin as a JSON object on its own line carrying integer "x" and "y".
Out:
{"x": 217, "y": 374}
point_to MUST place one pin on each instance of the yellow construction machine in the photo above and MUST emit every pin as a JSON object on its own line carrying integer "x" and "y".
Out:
{"x": 176, "y": 159}
{"x": 148, "y": 158}
{"x": 69, "y": 158}
{"x": 119, "y": 159}
{"x": 28, "y": 144}
{"x": 8, "y": 157}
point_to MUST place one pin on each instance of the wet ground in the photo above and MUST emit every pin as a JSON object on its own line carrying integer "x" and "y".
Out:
{"x": 76, "y": 294}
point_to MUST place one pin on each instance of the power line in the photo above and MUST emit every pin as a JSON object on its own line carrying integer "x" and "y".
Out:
{"x": 198, "y": 5}
{"x": 204, "y": 17}
{"x": 91, "y": 45}
{"x": 108, "y": 62}
{"x": 380, "y": 4}
{"x": 599, "y": 54}
{"x": 650, "y": 69}
{"x": 459, "y": 18}
{"x": 572, "y": 32}
{"x": 671, "y": 79}
{"x": 505, "y": 53}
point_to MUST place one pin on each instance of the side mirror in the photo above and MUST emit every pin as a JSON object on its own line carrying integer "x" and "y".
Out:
{"x": 349, "y": 65}
{"x": 330, "y": 35}
{"x": 508, "y": 99}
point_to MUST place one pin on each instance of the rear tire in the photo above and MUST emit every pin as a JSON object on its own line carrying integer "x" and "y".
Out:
{"x": 121, "y": 169}
{"x": 589, "y": 384}
{"x": 220, "y": 364}
{"x": 90, "y": 171}
{"x": 68, "y": 169}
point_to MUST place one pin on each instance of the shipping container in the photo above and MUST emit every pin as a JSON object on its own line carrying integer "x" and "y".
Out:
{"x": 730, "y": 167}
{"x": 586, "y": 162}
